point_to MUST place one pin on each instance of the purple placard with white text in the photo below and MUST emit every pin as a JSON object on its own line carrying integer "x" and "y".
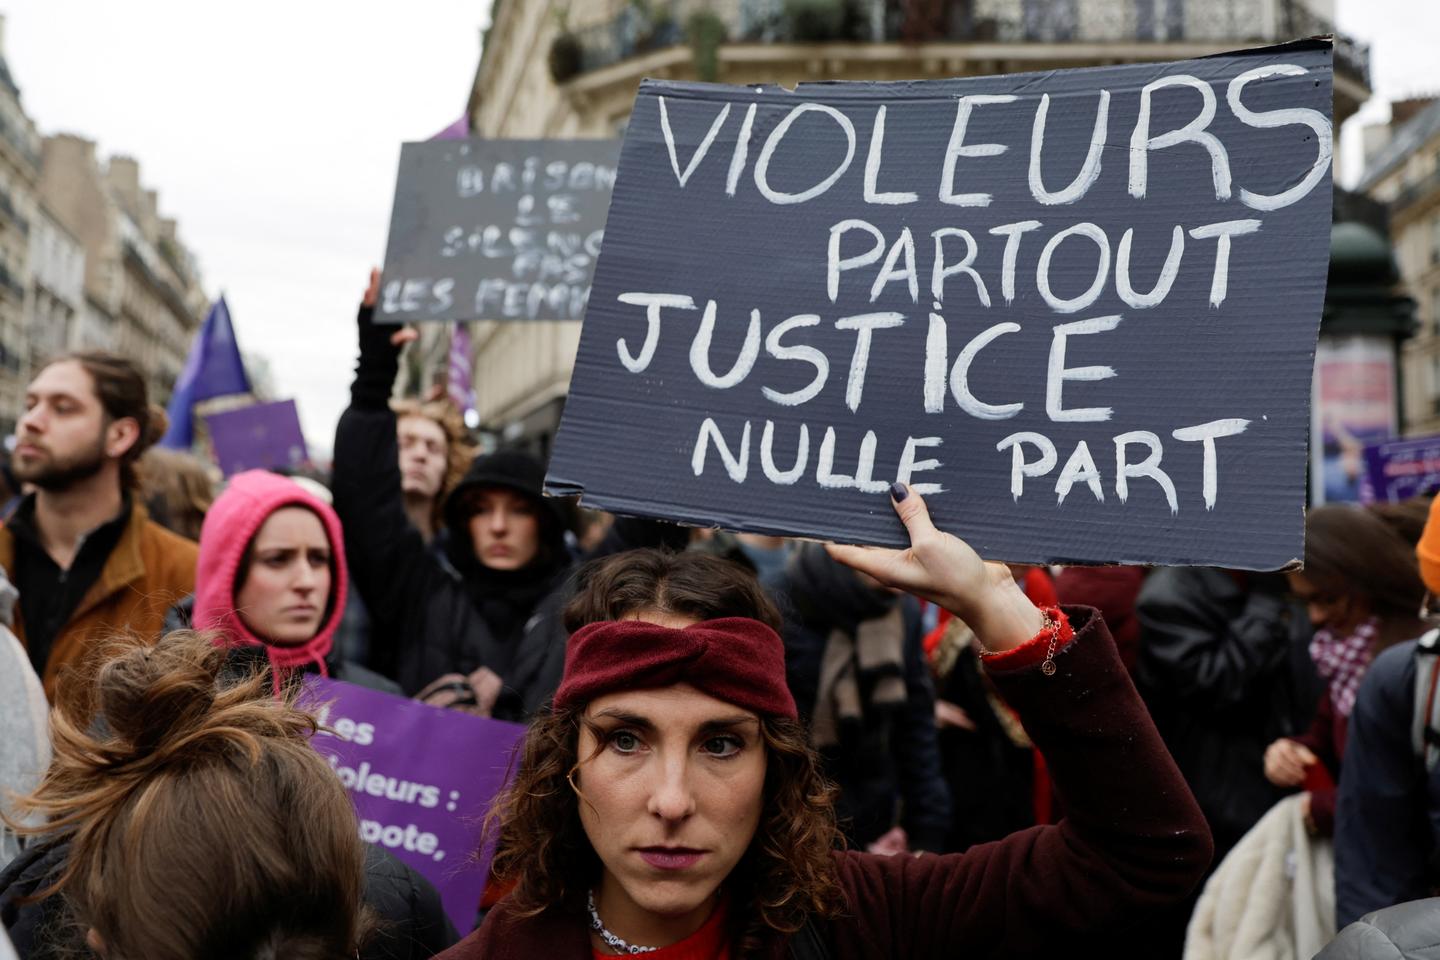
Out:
{"x": 1400, "y": 469}
{"x": 421, "y": 778}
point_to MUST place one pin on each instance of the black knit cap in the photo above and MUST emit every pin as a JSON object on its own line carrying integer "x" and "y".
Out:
{"x": 510, "y": 470}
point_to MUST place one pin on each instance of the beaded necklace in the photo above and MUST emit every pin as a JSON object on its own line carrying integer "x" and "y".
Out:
{"x": 611, "y": 941}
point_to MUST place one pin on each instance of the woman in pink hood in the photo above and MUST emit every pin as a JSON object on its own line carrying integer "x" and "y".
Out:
{"x": 271, "y": 580}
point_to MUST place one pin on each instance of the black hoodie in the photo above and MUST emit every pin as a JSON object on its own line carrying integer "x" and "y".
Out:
{"x": 507, "y": 599}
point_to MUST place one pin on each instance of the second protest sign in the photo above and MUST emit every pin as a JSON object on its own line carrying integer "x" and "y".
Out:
{"x": 495, "y": 229}
{"x": 1077, "y": 310}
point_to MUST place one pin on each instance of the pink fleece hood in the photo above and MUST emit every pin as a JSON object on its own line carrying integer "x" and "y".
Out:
{"x": 231, "y": 524}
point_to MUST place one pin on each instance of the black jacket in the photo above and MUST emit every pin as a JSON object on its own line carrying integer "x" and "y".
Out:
{"x": 991, "y": 777}
{"x": 1387, "y": 814}
{"x": 422, "y": 622}
{"x": 1409, "y": 931}
{"x": 1225, "y": 667}
{"x": 427, "y": 621}
{"x": 893, "y": 762}
{"x": 411, "y": 921}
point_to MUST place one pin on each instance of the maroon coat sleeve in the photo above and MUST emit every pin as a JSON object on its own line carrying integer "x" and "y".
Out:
{"x": 1324, "y": 740}
{"x": 1133, "y": 837}
{"x": 1320, "y": 738}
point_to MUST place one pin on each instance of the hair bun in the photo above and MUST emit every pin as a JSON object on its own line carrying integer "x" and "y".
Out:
{"x": 152, "y": 695}
{"x": 153, "y": 429}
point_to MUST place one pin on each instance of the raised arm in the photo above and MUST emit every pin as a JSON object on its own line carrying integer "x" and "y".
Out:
{"x": 389, "y": 563}
{"x": 1132, "y": 838}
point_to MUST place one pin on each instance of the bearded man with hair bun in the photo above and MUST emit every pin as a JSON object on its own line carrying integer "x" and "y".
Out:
{"x": 88, "y": 561}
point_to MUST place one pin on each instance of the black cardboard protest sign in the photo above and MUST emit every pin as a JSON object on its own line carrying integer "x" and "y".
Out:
{"x": 495, "y": 229}
{"x": 1076, "y": 309}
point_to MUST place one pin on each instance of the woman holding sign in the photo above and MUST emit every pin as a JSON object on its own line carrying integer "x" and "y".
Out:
{"x": 669, "y": 803}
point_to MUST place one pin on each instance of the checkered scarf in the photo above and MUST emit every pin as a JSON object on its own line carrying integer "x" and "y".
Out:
{"x": 1342, "y": 660}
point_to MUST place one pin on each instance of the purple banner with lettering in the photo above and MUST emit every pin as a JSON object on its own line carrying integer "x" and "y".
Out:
{"x": 421, "y": 778}
{"x": 1400, "y": 469}
{"x": 257, "y": 437}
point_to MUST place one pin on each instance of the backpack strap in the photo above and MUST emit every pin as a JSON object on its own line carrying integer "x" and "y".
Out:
{"x": 1425, "y": 724}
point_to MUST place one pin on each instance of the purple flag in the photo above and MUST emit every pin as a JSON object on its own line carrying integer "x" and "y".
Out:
{"x": 213, "y": 368}
{"x": 461, "y": 386}
{"x": 261, "y": 436}
{"x": 459, "y": 130}
{"x": 421, "y": 778}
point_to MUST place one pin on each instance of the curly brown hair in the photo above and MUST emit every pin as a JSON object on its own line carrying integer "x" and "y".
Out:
{"x": 459, "y": 451}
{"x": 787, "y": 873}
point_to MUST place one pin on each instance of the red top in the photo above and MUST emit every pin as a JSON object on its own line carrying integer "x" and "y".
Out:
{"x": 707, "y": 943}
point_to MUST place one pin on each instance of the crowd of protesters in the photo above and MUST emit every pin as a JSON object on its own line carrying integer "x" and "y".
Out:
{"x": 737, "y": 745}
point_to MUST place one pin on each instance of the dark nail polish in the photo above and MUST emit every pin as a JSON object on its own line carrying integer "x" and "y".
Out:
{"x": 898, "y": 491}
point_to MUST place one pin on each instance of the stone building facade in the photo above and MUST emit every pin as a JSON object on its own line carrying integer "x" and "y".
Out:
{"x": 19, "y": 172}
{"x": 56, "y": 302}
{"x": 143, "y": 297}
{"x": 571, "y": 68}
{"x": 1403, "y": 172}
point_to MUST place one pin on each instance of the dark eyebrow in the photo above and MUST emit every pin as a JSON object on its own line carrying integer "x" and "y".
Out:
{"x": 51, "y": 396}
{"x": 726, "y": 723}
{"x": 642, "y": 723}
{"x": 625, "y": 719}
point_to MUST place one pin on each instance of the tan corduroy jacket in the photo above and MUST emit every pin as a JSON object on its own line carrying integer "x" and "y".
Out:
{"x": 148, "y": 572}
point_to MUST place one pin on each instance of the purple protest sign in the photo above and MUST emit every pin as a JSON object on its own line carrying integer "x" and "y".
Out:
{"x": 1400, "y": 469}
{"x": 257, "y": 437}
{"x": 421, "y": 778}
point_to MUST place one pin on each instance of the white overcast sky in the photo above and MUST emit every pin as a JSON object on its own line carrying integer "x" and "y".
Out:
{"x": 272, "y": 132}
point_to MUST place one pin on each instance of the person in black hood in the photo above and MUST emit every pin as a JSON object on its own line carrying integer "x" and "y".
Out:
{"x": 487, "y": 634}
{"x": 506, "y": 540}
{"x": 855, "y": 663}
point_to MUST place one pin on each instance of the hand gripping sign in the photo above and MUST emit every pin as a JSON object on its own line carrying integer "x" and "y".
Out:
{"x": 1075, "y": 309}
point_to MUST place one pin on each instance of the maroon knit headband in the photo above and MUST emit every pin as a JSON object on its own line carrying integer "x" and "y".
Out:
{"x": 735, "y": 659}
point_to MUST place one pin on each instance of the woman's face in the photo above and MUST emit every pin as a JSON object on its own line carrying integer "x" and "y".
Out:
{"x": 670, "y": 802}
{"x": 1340, "y": 613}
{"x": 504, "y": 528}
{"x": 287, "y": 587}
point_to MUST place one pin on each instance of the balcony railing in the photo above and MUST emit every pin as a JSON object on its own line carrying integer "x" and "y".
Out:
{"x": 9, "y": 283}
{"x": 7, "y": 208}
{"x": 635, "y": 28}
{"x": 20, "y": 143}
{"x": 1419, "y": 190}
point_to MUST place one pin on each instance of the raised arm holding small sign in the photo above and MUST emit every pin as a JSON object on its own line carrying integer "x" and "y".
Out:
{"x": 1077, "y": 310}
